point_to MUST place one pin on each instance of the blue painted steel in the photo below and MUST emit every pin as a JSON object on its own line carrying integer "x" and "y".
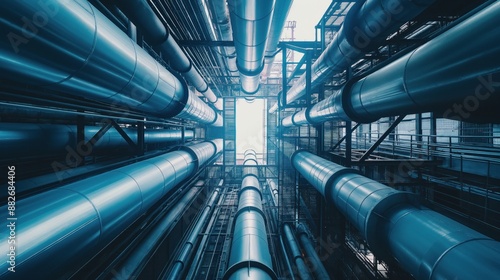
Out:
{"x": 182, "y": 260}
{"x": 156, "y": 33}
{"x": 25, "y": 139}
{"x": 250, "y": 21}
{"x": 429, "y": 79}
{"x": 139, "y": 256}
{"x": 80, "y": 52}
{"x": 367, "y": 25}
{"x": 318, "y": 269}
{"x": 67, "y": 225}
{"x": 250, "y": 257}
{"x": 426, "y": 244}
{"x": 296, "y": 253}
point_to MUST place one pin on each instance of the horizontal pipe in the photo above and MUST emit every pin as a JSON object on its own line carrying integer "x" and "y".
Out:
{"x": 140, "y": 255}
{"x": 249, "y": 257}
{"x": 426, "y": 244}
{"x": 69, "y": 47}
{"x": 66, "y": 226}
{"x": 156, "y": 33}
{"x": 318, "y": 269}
{"x": 366, "y": 26}
{"x": 182, "y": 260}
{"x": 30, "y": 139}
{"x": 250, "y": 21}
{"x": 454, "y": 84}
{"x": 304, "y": 273}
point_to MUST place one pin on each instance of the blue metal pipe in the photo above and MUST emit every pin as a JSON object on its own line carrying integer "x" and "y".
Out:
{"x": 249, "y": 257}
{"x": 29, "y": 139}
{"x": 156, "y": 33}
{"x": 69, "y": 47}
{"x": 140, "y": 255}
{"x": 182, "y": 260}
{"x": 63, "y": 227}
{"x": 456, "y": 84}
{"x": 365, "y": 27}
{"x": 317, "y": 269}
{"x": 426, "y": 244}
{"x": 250, "y": 21}
{"x": 296, "y": 254}
{"x": 280, "y": 14}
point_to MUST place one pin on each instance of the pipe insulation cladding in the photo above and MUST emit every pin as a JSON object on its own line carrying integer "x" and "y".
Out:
{"x": 71, "y": 48}
{"x": 458, "y": 84}
{"x": 296, "y": 254}
{"x": 183, "y": 259}
{"x": 250, "y": 257}
{"x": 64, "y": 227}
{"x": 251, "y": 22}
{"x": 156, "y": 33}
{"x": 365, "y": 27}
{"x": 426, "y": 244}
{"x": 33, "y": 139}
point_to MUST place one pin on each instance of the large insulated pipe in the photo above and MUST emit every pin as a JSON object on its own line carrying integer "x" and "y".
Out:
{"x": 141, "y": 254}
{"x": 69, "y": 47}
{"x": 156, "y": 33}
{"x": 221, "y": 15}
{"x": 366, "y": 26}
{"x": 426, "y": 244}
{"x": 429, "y": 79}
{"x": 250, "y": 20}
{"x": 30, "y": 139}
{"x": 64, "y": 227}
{"x": 280, "y": 14}
{"x": 249, "y": 257}
{"x": 182, "y": 261}
{"x": 296, "y": 254}
{"x": 318, "y": 269}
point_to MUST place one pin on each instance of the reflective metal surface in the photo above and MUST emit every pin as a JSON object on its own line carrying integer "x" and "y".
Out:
{"x": 429, "y": 79}
{"x": 295, "y": 253}
{"x": 27, "y": 140}
{"x": 182, "y": 260}
{"x": 197, "y": 110}
{"x": 81, "y": 53}
{"x": 250, "y": 21}
{"x": 318, "y": 270}
{"x": 249, "y": 257}
{"x": 65, "y": 226}
{"x": 280, "y": 14}
{"x": 156, "y": 33}
{"x": 426, "y": 244}
{"x": 365, "y": 27}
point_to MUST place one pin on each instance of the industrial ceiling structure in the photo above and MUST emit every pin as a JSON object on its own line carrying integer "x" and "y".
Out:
{"x": 379, "y": 156}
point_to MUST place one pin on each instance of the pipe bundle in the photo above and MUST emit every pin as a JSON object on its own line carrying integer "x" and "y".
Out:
{"x": 61, "y": 228}
{"x": 426, "y": 244}
{"x": 70, "y": 48}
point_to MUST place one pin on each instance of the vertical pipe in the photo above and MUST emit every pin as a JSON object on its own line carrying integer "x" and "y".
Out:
{"x": 141, "y": 254}
{"x": 250, "y": 21}
{"x": 304, "y": 273}
{"x": 183, "y": 257}
{"x": 250, "y": 257}
{"x": 318, "y": 269}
